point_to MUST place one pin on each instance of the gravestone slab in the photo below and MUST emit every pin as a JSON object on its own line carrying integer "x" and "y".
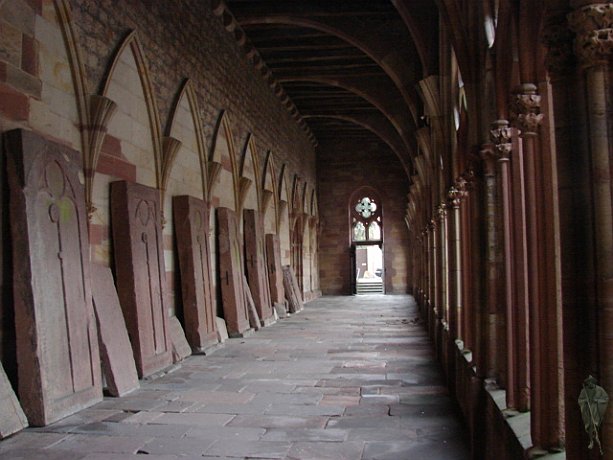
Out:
{"x": 141, "y": 275}
{"x": 57, "y": 345}
{"x": 222, "y": 331}
{"x": 254, "y": 318}
{"x": 255, "y": 255}
{"x": 231, "y": 274}
{"x": 115, "y": 348}
{"x": 180, "y": 346}
{"x": 191, "y": 219}
{"x": 292, "y": 290}
{"x": 12, "y": 418}
{"x": 275, "y": 272}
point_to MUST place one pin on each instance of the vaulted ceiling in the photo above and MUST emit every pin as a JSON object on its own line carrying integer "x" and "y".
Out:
{"x": 349, "y": 67}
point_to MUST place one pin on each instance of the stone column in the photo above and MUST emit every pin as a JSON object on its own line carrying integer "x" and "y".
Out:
{"x": 491, "y": 264}
{"x": 455, "y": 195}
{"x": 500, "y": 135}
{"x": 576, "y": 241}
{"x": 546, "y": 404}
{"x": 593, "y": 24}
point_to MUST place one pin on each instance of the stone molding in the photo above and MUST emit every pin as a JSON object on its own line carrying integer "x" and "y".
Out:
{"x": 593, "y": 25}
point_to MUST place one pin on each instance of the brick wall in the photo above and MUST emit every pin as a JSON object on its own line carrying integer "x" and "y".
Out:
{"x": 341, "y": 169}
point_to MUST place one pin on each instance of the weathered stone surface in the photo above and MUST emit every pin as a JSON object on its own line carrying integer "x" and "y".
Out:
{"x": 255, "y": 255}
{"x": 275, "y": 270}
{"x": 292, "y": 290}
{"x": 12, "y": 418}
{"x": 231, "y": 273}
{"x": 254, "y": 318}
{"x": 57, "y": 346}
{"x": 180, "y": 346}
{"x": 191, "y": 219}
{"x": 115, "y": 348}
{"x": 222, "y": 331}
{"x": 139, "y": 266}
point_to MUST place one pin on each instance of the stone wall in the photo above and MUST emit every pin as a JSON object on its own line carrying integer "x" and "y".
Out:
{"x": 342, "y": 169}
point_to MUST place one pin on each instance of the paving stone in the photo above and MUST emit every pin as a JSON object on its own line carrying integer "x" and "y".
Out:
{"x": 93, "y": 443}
{"x": 194, "y": 419}
{"x": 242, "y": 449}
{"x": 443, "y": 450}
{"x": 309, "y": 434}
{"x": 180, "y": 447}
{"x": 228, "y": 433}
{"x": 278, "y": 421}
{"x": 325, "y": 450}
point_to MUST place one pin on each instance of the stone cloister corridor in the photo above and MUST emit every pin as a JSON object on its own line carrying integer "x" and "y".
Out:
{"x": 179, "y": 176}
{"x": 347, "y": 378}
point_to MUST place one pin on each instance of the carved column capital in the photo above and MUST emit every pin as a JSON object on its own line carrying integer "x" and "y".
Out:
{"x": 593, "y": 25}
{"x": 441, "y": 211}
{"x": 500, "y": 135}
{"x": 457, "y": 193}
{"x": 558, "y": 38}
{"x": 525, "y": 108}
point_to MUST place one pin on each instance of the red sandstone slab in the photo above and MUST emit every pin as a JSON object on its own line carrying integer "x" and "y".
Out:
{"x": 57, "y": 345}
{"x": 254, "y": 318}
{"x": 12, "y": 418}
{"x": 115, "y": 348}
{"x": 292, "y": 290}
{"x": 180, "y": 346}
{"x": 255, "y": 255}
{"x": 191, "y": 219}
{"x": 231, "y": 273}
{"x": 141, "y": 279}
{"x": 275, "y": 270}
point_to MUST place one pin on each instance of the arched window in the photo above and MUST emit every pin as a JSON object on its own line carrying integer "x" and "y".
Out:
{"x": 366, "y": 219}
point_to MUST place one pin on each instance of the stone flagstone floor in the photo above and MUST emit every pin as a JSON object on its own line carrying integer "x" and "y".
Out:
{"x": 347, "y": 378}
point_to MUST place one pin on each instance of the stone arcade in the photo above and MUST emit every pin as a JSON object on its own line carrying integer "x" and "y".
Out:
{"x": 168, "y": 164}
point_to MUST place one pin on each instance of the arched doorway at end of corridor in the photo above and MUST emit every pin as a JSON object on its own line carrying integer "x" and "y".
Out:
{"x": 366, "y": 224}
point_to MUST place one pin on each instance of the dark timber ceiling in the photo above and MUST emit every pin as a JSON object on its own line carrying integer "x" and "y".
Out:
{"x": 350, "y": 66}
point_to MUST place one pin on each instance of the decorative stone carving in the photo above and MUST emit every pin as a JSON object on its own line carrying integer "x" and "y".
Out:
{"x": 57, "y": 343}
{"x": 501, "y": 134}
{"x": 457, "y": 192}
{"x": 231, "y": 274}
{"x": 191, "y": 219}
{"x": 525, "y": 110}
{"x": 441, "y": 211}
{"x": 115, "y": 349}
{"x": 256, "y": 265}
{"x": 593, "y": 25}
{"x": 141, "y": 274}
